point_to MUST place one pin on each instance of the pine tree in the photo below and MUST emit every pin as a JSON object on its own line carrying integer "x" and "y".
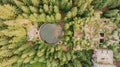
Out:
{"x": 46, "y": 8}
{"x": 18, "y": 3}
{"x": 33, "y": 9}
{"x": 58, "y": 17}
{"x": 36, "y": 3}
{"x": 8, "y": 12}
{"x": 42, "y": 17}
{"x": 8, "y": 61}
{"x": 26, "y": 2}
{"x": 114, "y": 4}
{"x": 25, "y": 9}
{"x": 56, "y": 9}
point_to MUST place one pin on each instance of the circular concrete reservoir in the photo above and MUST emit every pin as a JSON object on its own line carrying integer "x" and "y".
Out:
{"x": 50, "y": 33}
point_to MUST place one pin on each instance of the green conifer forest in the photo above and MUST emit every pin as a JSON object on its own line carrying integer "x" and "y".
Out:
{"x": 82, "y": 22}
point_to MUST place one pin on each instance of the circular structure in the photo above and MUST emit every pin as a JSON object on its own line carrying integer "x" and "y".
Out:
{"x": 50, "y": 33}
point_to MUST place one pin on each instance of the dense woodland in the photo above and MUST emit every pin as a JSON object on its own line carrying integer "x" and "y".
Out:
{"x": 90, "y": 17}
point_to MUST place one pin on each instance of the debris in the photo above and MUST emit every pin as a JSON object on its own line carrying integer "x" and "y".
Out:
{"x": 33, "y": 33}
{"x": 103, "y": 58}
